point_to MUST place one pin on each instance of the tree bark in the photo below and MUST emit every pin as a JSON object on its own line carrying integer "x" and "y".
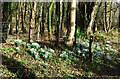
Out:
{"x": 105, "y": 21}
{"x": 93, "y": 15}
{"x": 72, "y": 23}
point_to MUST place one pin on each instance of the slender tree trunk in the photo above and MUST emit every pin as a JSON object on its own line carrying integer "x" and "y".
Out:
{"x": 6, "y": 18}
{"x": 43, "y": 21}
{"x": 72, "y": 23}
{"x": 22, "y": 17}
{"x": 17, "y": 22}
{"x": 58, "y": 21}
{"x": 60, "y": 14}
{"x": 11, "y": 12}
{"x": 40, "y": 20}
{"x": 64, "y": 17}
{"x": 105, "y": 21}
{"x": 119, "y": 26}
{"x": 32, "y": 22}
{"x": 110, "y": 17}
{"x": 50, "y": 29}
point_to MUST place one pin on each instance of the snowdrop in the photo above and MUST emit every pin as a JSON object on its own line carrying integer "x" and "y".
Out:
{"x": 70, "y": 52}
{"x": 17, "y": 49}
{"x": 24, "y": 43}
{"x": 85, "y": 50}
{"x": 35, "y": 45}
{"x": 83, "y": 55}
{"x": 79, "y": 51}
{"x": 31, "y": 41}
{"x": 107, "y": 45}
{"x": 45, "y": 47}
{"x": 17, "y": 42}
{"x": 64, "y": 52}
{"x": 51, "y": 50}
{"x": 107, "y": 42}
{"x": 108, "y": 57}
{"x": 42, "y": 50}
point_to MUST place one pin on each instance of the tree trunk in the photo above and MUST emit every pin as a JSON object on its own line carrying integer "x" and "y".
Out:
{"x": 105, "y": 22}
{"x": 72, "y": 23}
{"x": 110, "y": 17}
{"x": 10, "y": 21}
{"x": 93, "y": 15}
{"x": 43, "y": 21}
{"x": 17, "y": 22}
{"x": 58, "y": 21}
{"x": 50, "y": 29}
{"x": 6, "y": 18}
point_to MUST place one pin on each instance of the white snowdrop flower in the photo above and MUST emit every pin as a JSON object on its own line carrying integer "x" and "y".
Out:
{"x": 42, "y": 50}
{"x": 108, "y": 42}
{"x": 46, "y": 53}
{"x": 61, "y": 55}
{"x": 85, "y": 50}
{"x": 17, "y": 48}
{"x": 35, "y": 44}
{"x": 107, "y": 48}
{"x": 83, "y": 54}
{"x": 71, "y": 52}
{"x": 45, "y": 56}
{"x": 18, "y": 41}
{"x": 108, "y": 57}
{"x": 51, "y": 50}
{"x": 64, "y": 52}
{"x": 79, "y": 51}
{"x": 36, "y": 53}
{"x": 107, "y": 45}
{"x": 94, "y": 46}
{"x": 31, "y": 41}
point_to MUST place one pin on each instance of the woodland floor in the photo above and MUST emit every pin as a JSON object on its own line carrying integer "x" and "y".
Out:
{"x": 23, "y": 66}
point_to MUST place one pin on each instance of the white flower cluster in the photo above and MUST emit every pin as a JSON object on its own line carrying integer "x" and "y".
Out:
{"x": 17, "y": 49}
{"x": 46, "y": 53}
{"x": 34, "y": 53}
{"x": 31, "y": 41}
{"x": 64, "y": 55}
{"x": 17, "y": 42}
{"x": 24, "y": 43}
{"x": 35, "y": 45}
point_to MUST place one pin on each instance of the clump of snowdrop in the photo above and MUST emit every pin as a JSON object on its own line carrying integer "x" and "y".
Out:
{"x": 24, "y": 44}
{"x": 108, "y": 57}
{"x": 42, "y": 50}
{"x": 31, "y": 41}
{"x": 64, "y": 55}
{"x": 17, "y": 42}
{"x": 28, "y": 46}
{"x": 108, "y": 42}
{"x": 51, "y": 50}
{"x": 17, "y": 49}
{"x": 34, "y": 53}
{"x": 35, "y": 45}
{"x": 70, "y": 53}
{"x": 44, "y": 64}
{"x": 47, "y": 55}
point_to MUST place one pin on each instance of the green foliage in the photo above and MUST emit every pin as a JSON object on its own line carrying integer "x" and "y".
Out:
{"x": 81, "y": 33}
{"x": 17, "y": 42}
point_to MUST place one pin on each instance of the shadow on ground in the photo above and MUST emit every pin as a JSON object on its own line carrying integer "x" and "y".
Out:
{"x": 21, "y": 71}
